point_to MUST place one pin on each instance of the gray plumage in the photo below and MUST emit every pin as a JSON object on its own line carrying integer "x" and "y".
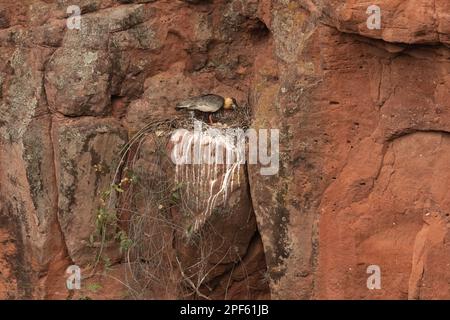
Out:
{"x": 206, "y": 103}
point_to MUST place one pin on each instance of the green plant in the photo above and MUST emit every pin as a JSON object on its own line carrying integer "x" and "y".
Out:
{"x": 124, "y": 240}
{"x": 107, "y": 219}
{"x": 104, "y": 219}
{"x": 106, "y": 262}
{"x": 94, "y": 287}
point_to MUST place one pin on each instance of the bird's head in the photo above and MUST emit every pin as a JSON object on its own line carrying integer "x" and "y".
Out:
{"x": 230, "y": 103}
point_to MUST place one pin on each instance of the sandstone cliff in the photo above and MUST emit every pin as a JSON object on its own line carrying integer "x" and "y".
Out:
{"x": 363, "y": 115}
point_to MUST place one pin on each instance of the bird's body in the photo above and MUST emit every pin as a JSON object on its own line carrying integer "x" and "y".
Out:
{"x": 208, "y": 103}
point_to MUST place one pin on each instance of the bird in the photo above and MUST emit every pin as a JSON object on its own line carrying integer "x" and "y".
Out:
{"x": 208, "y": 103}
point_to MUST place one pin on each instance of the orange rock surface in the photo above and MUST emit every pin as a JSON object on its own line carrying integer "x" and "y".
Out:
{"x": 364, "y": 120}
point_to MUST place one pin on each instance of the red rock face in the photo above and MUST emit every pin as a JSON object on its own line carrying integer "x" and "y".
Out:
{"x": 363, "y": 116}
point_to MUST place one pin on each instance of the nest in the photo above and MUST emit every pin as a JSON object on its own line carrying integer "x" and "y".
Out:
{"x": 238, "y": 118}
{"x": 144, "y": 209}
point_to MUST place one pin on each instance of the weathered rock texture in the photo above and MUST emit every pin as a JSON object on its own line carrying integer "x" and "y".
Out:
{"x": 363, "y": 114}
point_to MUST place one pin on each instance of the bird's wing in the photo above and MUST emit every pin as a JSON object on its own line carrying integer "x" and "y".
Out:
{"x": 212, "y": 98}
{"x": 186, "y": 104}
{"x": 204, "y": 103}
{"x": 206, "y": 107}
